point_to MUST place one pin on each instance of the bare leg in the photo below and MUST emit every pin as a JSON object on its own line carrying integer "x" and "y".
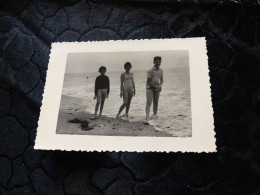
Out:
{"x": 97, "y": 104}
{"x": 121, "y": 109}
{"x": 125, "y": 98}
{"x": 155, "y": 102}
{"x": 96, "y": 108}
{"x": 149, "y": 98}
{"x": 102, "y": 105}
{"x": 130, "y": 95}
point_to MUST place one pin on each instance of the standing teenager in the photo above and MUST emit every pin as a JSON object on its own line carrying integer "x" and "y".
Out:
{"x": 127, "y": 89}
{"x": 153, "y": 88}
{"x": 102, "y": 87}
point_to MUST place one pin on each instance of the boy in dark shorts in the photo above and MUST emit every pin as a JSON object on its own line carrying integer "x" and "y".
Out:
{"x": 153, "y": 88}
{"x": 102, "y": 87}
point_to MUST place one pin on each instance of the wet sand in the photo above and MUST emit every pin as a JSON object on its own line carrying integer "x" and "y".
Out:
{"x": 73, "y": 108}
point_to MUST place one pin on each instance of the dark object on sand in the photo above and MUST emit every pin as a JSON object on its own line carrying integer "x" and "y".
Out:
{"x": 83, "y": 124}
{"x": 146, "y": 123}
{"x": 75, "y": 120}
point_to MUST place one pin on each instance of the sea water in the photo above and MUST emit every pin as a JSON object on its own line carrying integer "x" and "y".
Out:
{"x": 174, "y": 112}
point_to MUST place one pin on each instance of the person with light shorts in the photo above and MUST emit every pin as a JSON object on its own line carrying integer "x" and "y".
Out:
{"x": 127, "y": 89}
{"x": 153, "y": 88}
{"x": 102, "y": 87}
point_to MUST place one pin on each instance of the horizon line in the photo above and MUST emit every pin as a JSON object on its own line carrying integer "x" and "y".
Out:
{"x": 123, "y": 70}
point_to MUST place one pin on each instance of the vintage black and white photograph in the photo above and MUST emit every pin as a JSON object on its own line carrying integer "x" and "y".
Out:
{"x": 134, "y": 95}
{"x": 145, "y": 93}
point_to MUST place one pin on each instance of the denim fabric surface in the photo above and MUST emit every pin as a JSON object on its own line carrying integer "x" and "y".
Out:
{"x": 232, "y": 29}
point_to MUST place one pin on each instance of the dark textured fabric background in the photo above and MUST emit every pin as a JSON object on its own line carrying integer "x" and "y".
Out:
{"x": 232, "y": 29}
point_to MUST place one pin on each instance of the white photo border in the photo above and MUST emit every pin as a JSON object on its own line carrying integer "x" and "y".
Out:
{"x": 203, "y": 134}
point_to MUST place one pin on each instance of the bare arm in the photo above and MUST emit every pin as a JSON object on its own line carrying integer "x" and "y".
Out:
{"x": 149, "y": 82}
{"x": 122, "y": 85}
{"x": 149, "y": 79}
{"x": 133, "y": 83}
{"x": 161, "y": 83}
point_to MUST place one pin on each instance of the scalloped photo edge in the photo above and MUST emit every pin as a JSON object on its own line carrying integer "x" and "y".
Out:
{"x": 54, "y": 133}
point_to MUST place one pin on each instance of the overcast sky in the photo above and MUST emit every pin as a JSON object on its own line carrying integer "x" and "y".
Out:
{"x": 114, "y": 61}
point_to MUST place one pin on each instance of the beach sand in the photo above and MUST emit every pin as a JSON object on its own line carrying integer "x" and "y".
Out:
{"x": 73, "y": 108}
